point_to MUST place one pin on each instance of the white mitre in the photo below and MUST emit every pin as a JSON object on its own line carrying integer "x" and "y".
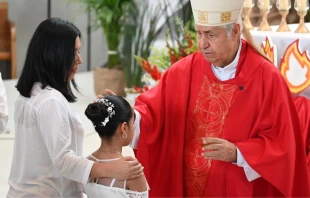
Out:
{"x": 216, "y": 12}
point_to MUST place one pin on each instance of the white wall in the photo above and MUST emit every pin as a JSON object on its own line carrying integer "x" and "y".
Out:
{"x": 27, "y": 14}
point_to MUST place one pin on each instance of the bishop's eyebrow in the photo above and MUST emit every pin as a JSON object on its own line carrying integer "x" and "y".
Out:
{"x": 205, "y": 31}
{"x": 208, "y": 32}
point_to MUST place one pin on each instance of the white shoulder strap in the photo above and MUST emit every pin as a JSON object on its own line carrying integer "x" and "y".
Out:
{"x": 125, "y": 184}
{"x": 112, "y": 183}
{"x": 97, "y": 160}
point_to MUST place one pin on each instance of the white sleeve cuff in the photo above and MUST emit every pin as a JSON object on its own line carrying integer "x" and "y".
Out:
{"x": 250, "y": 173}
{"x": 87, "y": 172}
{"x": 3, "y": 106}
{"x": 135, "y": 140}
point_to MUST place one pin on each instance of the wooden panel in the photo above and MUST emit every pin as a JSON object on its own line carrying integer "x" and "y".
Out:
{"x": 4, "y": 31}
{"x": 13, "y": 50}
{"x": 7, "y": 38}
{"x": 5, "y": 56}
{"x": 5, "y": 44}
{"x": 4, "y": 5}
{"x": 4, "y": 28}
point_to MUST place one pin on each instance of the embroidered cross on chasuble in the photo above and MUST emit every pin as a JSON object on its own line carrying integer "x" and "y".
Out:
{"x": 207, "y": 120}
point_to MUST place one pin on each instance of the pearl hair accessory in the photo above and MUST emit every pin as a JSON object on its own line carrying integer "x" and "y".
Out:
{"x": 110, "y": 110}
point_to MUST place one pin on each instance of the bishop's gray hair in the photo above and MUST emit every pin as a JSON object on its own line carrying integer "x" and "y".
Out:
{"x": 229, "y": 27}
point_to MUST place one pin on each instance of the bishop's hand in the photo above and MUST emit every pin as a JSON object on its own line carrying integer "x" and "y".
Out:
{"x": 107, "y": 91}
{"x": 219, "y": 149}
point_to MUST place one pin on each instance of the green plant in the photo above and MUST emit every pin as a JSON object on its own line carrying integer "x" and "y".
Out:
{"x": 183, "y": 13}
{"x": 161, "y": 59}
{"x": 142, "y": 28}
{"x": 110, "y": 15}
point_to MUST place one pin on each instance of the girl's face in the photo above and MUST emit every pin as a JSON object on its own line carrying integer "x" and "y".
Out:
{"x": 77, "y": 60}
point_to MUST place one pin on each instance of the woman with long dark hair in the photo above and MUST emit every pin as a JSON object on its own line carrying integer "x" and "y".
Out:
{"x": 47, "y": 158}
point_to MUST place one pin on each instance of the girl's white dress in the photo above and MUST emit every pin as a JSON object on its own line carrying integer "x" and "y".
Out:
{"x": 95, "y": 188}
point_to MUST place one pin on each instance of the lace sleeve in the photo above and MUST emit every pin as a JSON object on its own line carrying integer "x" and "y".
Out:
{"x": 134, "y": 194}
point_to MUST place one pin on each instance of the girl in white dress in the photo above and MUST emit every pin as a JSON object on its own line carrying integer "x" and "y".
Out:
{"x": 47, "y": 157}
{"x": 113, "y": 119}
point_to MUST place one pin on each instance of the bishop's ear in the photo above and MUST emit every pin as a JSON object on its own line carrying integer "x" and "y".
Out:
{"x": 236, "y": 30}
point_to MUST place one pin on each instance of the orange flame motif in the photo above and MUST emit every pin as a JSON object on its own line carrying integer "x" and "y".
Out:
{"x": 295, "y": 67}
{"x": 270, "y": 50}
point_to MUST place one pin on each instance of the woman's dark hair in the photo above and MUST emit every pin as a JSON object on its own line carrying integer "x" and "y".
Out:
{"x": 49, "y": 58}
{"x": 97, "y": 112}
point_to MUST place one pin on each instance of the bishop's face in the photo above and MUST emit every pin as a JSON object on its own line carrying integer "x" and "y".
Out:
{"x": 216, "y": 46}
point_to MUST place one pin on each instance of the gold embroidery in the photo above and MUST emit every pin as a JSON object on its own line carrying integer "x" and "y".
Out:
{"x": 225, "y": 17}
{"x": 207, "y": 120}
{"x": 217, "y": 11}
{"x": 202, "y": 17}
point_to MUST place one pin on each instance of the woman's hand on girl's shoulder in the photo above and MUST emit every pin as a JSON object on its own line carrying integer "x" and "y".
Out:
{"x": 126, "y": 168}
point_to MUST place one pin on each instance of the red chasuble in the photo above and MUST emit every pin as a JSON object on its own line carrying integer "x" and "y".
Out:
{"x": 303, "y": 109}
{"x": 254, "y": 110}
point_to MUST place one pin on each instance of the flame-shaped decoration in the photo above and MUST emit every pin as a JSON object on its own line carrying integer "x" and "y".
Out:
{"x": 295, "y": 67}
{"x": 270, "y": 50}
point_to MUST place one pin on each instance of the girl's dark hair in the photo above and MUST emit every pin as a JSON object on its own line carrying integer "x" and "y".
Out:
{"x": 97, "y": 112}
{"x": 49, "y": 58}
